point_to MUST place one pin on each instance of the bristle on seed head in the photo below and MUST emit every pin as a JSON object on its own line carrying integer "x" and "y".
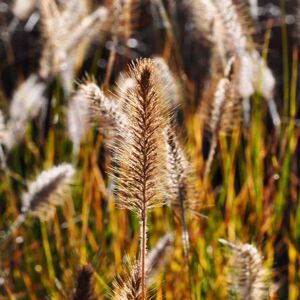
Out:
{"x": 84, "y": 289}
{"x": 128, "y": 286}
{"x": 248, "y": 279}
{"x": 48, "y": 191}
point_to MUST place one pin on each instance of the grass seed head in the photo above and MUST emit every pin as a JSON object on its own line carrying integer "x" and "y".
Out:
{"x": 84, "y": 288}
{"x": 48, "y": 191}
{"x": 248, "y": 278}
{"x": 141, "y": 152}
{"x": 127, "y": 285}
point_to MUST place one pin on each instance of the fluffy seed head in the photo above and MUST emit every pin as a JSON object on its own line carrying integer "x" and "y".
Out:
{"x": 123, "y": 86}
{"x": 27, "y": 102}
{"x": 90, "y": 105}
{"x": 248, "y": 279}
{"x": 28, "y": 99}
{"x": 159, "y": 256}
{"x": 141, "y": 152}
{"x": 167, "y": 83}
{"x": 237, "y": 26}
{"x": 48, "y": 191}
{"x": 182, "y": 183}
{"x": 222, "y": 113}
{"x": 202, "y": 15}
{"x": 128, "y": 285}
{"x": 106, "y": 111}
{"x": 78, "y": 119}
{"x": 22, "y": 9}
{"x": 67, "y": 28}
{"x": 84, "y": 289}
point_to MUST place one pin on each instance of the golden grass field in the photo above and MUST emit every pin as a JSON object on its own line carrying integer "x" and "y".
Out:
{"x": 164, "y": 147}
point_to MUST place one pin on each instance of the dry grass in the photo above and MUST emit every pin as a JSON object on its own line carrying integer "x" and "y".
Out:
{"x": 170, "y": 148}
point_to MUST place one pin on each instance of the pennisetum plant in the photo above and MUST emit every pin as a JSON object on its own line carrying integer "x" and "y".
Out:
{"x": 128, "y": 284}
{"x": 27, "y": 102}
{"x": 182, "y": 185}
{"x": 254, "y": 9}
{"x": 123, "y": 22}
{"x": 44, "y": 194}
{"x": 255, "y": 76}
{"x": 64, "y": 29}
{"x": 84, "y": 287}
{"x": 222, "y": 113}
{"x": 227, "y": 26}
{"x": 90, "y": 105}
{"x": 23, "y": 9}
{"x": 103, "y": 109}
{"x": 141, "y": 154}
{"x": 168, "y": 83}
{"x": 248, "y": 278}
{"x": 202, "y": 15}
{"x": 159, "y": 257}
{"x": 180, "y": 171}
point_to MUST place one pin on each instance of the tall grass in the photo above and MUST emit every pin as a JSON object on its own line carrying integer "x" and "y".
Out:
{"x": 161, "y": 137}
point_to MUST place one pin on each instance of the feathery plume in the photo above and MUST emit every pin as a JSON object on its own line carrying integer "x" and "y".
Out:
{"x": 222, "y": 114}
{"x": 254, "y": 9}
{"x": 89, "y": 104}
{"x": 123, "y": 85}
{"x": 44, "y": 194}
{"x": 65, "y": 30}
{"x": 84, "y": 289}
{"x": 28, "y": 98}
{"x": 78, "y": 115}
{"x": 159, "y": 256}
{"x": 249, "y": 279}
{"x": 47, "y": 191}
{"x": 182, "y": 188}
{"x": 27, "y": 102}
{"x": 237, "y": 39}
{"x": 102, "y": 109}
{"x": 167, "y": 83}
{"x": 142, "y": 140}
{"x": 22, "y": 9}
{"x": 202, "y": 15}
{"x": 141, "y": 153}
{"x": 237, "y": 34}
{"x": 128, "y": 286}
